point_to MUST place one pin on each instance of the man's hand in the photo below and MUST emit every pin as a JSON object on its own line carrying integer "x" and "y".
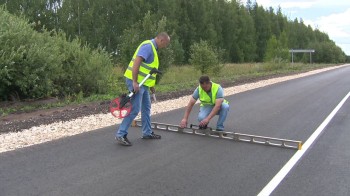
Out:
{"x": 135, "y": 86}
{"x": 183, "y": 123}
{"x": 204, "y": 122}
{"x": 153, "y": 90}
{"x": 190, "y": 104}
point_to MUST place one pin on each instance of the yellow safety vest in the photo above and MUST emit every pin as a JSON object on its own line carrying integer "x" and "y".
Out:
{"x": 204, "y": 97}
{"x": 144, "y": 67}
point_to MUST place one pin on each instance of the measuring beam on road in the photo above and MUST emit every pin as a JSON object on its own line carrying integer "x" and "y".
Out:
{"x": 256, "y": 139}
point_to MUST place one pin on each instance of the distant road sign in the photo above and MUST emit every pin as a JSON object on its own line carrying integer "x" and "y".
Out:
{"x": 301, "y": 50}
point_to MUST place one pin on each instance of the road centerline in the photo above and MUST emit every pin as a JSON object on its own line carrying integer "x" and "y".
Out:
{"x": 276, "y": 180}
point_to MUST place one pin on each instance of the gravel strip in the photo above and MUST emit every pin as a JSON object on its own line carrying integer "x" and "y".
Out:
{"x": 40, "y": 134}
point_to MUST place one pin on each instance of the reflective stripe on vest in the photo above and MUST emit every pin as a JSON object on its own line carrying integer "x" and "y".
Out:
{"x": 144, "y": 67}
{"x": 204, "y": 97}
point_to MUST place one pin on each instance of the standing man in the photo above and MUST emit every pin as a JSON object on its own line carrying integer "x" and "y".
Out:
{"x": 213, "y": 103}
{"x": 144, "y": 59}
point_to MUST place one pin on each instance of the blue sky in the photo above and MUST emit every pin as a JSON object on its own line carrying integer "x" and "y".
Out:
{"x": 331, "y": 17}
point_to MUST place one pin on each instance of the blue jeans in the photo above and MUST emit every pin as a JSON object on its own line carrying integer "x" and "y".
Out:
{"x": 204, "y": 112}
{"x": 141, "y": 100}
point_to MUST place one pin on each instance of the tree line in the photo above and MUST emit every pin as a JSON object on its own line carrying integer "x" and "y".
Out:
{"x": 67, "y": 48}
{"x": 241, "y": 33}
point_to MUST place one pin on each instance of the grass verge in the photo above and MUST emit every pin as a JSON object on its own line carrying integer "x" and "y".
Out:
{"x": 177, "y": 78}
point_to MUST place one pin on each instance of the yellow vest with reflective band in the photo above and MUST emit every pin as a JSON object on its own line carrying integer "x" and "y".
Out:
{"x": 204, "y": 97}
{"x": 144, "y": 67}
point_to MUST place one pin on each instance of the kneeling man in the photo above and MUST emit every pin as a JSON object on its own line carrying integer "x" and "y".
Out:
{"x": 211, "y": 96}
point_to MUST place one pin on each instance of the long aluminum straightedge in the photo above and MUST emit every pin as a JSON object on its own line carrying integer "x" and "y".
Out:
{"x": 270, "y": 141}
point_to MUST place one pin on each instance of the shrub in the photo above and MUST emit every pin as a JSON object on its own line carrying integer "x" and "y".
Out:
{"x": 36, "y": 65}
{"x": 204, "y": 58}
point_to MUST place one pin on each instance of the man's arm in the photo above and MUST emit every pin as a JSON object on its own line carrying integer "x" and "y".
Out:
{"x": 135, "y": 72}
{"x": 187, "y": 112}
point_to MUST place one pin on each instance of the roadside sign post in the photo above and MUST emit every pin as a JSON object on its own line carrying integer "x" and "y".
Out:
{"x": 302, "y": 51}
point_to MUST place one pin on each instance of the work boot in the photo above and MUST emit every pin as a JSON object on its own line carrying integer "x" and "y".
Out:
{"x": 152, "y": 136}
{"x": 221, "y": 130}
{"x": 123, "y": 141}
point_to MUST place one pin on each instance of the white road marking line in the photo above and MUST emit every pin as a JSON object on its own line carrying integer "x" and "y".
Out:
{"x": 271, "y": 186}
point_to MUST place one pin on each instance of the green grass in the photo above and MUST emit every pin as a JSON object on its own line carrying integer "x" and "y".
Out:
{"x": 179, "y": 78}
{"x": 185, "y": 77}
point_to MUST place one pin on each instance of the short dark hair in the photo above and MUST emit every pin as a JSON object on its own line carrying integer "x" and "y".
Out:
{"x": 204, "y": 79}
{"x": 163, "y": 35}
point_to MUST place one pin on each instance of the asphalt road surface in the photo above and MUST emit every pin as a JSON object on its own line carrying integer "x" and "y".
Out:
{"x": 180, "y": 164}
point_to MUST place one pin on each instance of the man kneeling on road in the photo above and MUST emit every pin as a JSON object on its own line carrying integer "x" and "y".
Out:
{"x": 213, "y": 103}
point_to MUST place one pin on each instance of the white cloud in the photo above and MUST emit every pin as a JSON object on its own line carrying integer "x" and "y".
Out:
{"x": 336, "y": 25}
{"x": 295, "y": 4}
{"x": 302, "y": 4}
